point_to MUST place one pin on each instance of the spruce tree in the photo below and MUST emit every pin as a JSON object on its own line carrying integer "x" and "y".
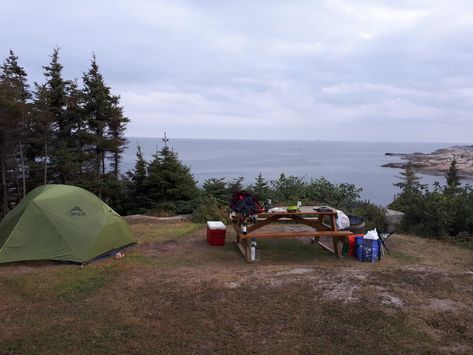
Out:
{"x": 97, "y": 111}
{"x": 106, "y": 122}
{"x": 411, "y": 189}
{"x": 137, "y": 191}
{"x": 409, "y": 183}
{"x": 62, "y": 106}
{"x": 453, "y": 178}
{"x": 169, "y": 181}
{"x": 261, "y": 188}
{"x": 116, "y": 134}
{"x": 80, "y": 160}
{"x": 41, "y": 126}
{"x": 14, "y": 96}
{"x": 217, "y": 188}
{"x": 235, "y": 185}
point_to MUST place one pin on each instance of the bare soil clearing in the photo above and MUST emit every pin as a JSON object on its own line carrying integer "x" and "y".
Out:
{"x": 175, "y": 294}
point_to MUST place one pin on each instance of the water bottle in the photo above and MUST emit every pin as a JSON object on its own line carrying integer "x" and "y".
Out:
{"x": 253, "y": 250}
{"x": 244, "y": 228}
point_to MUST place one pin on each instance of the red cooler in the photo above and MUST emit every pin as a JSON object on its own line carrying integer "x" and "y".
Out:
{"x": 216, "y": 233}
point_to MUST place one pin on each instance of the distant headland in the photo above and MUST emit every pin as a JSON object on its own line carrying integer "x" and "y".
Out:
{"x": 437, "y": 162}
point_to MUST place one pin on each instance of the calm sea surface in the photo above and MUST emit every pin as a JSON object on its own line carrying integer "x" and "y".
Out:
{"x": 357, "y": 163}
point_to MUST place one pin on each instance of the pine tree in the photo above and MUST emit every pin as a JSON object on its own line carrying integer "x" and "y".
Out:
{"x": 106, "y": 122}
{"x": 169, "y": 181}
{"x": 236, "y": 185}
{"x": 79, "y": 166}
{"x": 217, "y": 188}
{"x": 137, "y": 191}
{"x": 97, "y": 110}
{"x": 41, "y": 126}
{"x": 409, "y": 183}
{"x": 62, "y": 107}
{"x": 116, "y": 134}
{"x": 261, "y": 188}
{"x": 453, "y": 178}
{"x": 14, "y": 96}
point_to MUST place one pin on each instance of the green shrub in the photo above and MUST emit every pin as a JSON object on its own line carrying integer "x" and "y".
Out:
{"x": 374, "y": 216}
{"x": 209, "y": 209}
{"x": 342, "y": 196}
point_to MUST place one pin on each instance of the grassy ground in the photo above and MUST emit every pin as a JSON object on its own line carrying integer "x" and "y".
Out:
{"x": 175, "y": 294}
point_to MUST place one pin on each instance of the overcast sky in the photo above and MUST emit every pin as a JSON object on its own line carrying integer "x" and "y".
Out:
{"x": 330, "y": 70}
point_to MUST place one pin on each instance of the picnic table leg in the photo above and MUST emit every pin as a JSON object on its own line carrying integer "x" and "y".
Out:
{"x": 244, "y": 248}
{"x": 336, "y": 249}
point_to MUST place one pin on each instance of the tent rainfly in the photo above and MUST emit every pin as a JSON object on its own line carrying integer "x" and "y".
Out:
{"x": 63, "y": 223}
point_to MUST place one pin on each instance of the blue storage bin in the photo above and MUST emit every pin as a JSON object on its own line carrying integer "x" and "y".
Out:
{"x": 359, "y": 248}
{"x": 371, "y": 250}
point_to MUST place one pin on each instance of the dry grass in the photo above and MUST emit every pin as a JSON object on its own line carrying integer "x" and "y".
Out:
{"x": 174, "y": 294}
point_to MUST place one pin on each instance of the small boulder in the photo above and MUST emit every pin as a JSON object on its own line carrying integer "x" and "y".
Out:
{"x": 394, "y": 219}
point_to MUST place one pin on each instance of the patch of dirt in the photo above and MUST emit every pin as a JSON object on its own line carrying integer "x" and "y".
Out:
{"x": 141, "y": 218}
{"x": 443, "y": 305}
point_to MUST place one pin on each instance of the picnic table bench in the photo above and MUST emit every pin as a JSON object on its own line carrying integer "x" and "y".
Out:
{"x": 322, "y": 222}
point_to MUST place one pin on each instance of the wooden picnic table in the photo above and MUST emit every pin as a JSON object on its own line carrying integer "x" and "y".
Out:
{"x": 323, "y": 224}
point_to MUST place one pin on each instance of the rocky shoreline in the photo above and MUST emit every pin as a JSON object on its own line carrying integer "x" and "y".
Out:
{"x": 437, "y": 162}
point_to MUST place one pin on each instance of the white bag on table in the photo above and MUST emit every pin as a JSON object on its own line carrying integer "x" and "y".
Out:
{"x": 343, "y": 222}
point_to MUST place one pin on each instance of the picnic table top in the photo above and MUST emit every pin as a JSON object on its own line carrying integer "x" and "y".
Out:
{"x": 303, "y": 211}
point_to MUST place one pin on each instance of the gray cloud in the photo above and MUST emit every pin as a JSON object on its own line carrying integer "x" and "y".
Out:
{"x": 335, "y": 69}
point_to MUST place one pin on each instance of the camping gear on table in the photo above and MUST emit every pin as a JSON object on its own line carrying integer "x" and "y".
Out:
{"x": 268, "y": 205}
{"x": 295, "y": 208}
{"x": 323, "y": 209}
{"x": 62, "y": 223}
{"x": 216, "y": 231}
{"x": 245, "y": 203}
{"x": 343, "y": 222}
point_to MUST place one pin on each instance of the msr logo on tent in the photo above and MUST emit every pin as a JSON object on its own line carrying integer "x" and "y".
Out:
{"x": 76, "y": 211}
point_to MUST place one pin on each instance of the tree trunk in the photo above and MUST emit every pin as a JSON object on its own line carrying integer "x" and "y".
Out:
{"x": 45, "y": 178}
{"x": 4, "y": 183}
{"x": 23, "y": 174}
{"x": 116, "y": 159}
{"x": 103, "y": 161}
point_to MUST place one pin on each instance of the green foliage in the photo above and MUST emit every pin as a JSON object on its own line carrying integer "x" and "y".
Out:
{"x": 453, "y": 178}
{"x": 218, "y": 189}
{"x": 236, "y": 185}
{"x": 374, "y": 216}
{"x": 62, "y": 134}
{"x": 209, "y": 209}
{"x": 164, "y": 186}
{"x": 288, "y": 188}
{"x": 260, "y": 188}
{"x": 444, "y": 211}
{"x": 342, "y": 196}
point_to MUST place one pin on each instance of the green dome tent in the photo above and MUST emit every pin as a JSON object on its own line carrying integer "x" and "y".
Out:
{"x": 64, "y": 223}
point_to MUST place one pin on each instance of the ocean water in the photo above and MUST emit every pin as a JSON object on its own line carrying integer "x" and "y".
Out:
{"x": 357, "y": 163}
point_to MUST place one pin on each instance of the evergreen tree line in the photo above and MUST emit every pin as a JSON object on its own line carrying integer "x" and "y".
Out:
{"x": 443, "y": 211}
{"x": 58, "y": 131}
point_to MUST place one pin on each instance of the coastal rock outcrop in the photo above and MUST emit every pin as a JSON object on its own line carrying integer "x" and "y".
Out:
{"x": 437, "y": 162}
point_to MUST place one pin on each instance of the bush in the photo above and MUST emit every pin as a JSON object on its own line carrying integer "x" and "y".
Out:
{"x": 287, "y": 188}
{"x": 209, "y": 209}
{"x": 164, "y": 209}
{"x": 374, "y": 216}
{"x": 342, "y": 196}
